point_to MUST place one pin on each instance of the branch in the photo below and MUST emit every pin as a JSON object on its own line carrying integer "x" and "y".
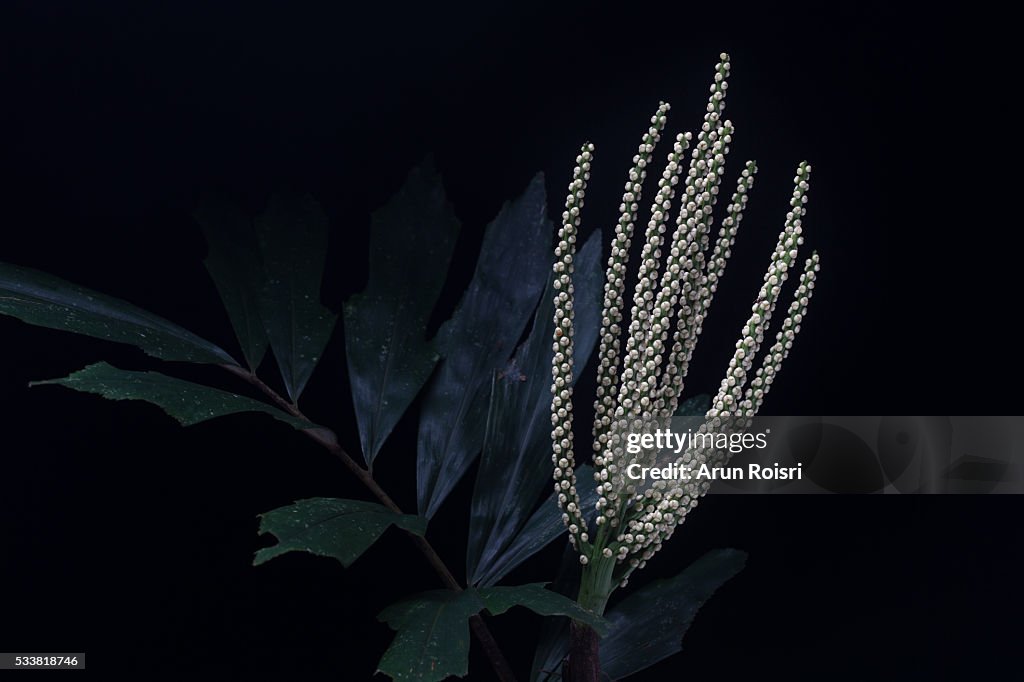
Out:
{"x": 329, "y": 440}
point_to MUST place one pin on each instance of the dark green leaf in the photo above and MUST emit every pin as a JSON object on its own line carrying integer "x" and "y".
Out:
{"x": 342, "y": 529}
{"x": 539, "y": 600}
{"x": 292, "y": 235}
{"x": 41, "y": 299}
{"x": 432, "y": 640}
{"x": 543, "y": 526}
{"x": 187, "y": 402}
{"x": 697, "y": 406}
{"x": 478, "y": 340}
{"x": 648, "y": 626}
{"x": 554, "y": 632}
{"x": 389, "y": 358}
{"x": 234, "y": 263}
{"x": 515, "y": 466}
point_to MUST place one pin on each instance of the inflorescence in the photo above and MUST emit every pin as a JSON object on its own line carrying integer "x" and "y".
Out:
{"x": 676, "y": 281}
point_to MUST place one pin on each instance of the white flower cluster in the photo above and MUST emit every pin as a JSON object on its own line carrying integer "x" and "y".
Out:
{"x": 562, "y": 347}
{"x": 664, "y": 505}
{"x": 676, "y": 282}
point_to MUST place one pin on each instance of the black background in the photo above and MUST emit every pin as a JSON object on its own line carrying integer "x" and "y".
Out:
{"x": 130, "y": 538}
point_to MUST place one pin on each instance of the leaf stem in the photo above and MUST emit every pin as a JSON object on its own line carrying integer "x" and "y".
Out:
{"x": 329, "y": 440}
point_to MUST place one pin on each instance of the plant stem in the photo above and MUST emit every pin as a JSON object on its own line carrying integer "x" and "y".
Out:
{"x": 584, "y": 662}
{"x": 329, "y": 441}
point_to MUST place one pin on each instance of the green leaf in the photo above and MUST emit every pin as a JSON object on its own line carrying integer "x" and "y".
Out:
{"x": 543, "y": 527}
{"x": 515, "y": 465}
{"x": 234, "y": 263}
{"x": 554, "y": 632}
{"x": 292, "y": 235}
{"x": 432, "y": 640}
{"x": 478, "y": 340}
{"x": 187, "y": 402}
{"x": 389, "y": 358}
{"x": 47, "y": 301}
{"x": 539, "y": 600}
{"x": 342, "y": 529}
{"x": 648, "y": 626}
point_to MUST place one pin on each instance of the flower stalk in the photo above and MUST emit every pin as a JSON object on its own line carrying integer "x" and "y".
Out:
{"x": 642, "y": 365}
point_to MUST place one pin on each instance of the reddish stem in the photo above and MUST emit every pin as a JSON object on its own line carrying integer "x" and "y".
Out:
{"x": 584, "y": 662}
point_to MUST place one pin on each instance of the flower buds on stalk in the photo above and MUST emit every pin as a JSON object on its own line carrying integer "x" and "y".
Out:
{"x": 676, "y": 281}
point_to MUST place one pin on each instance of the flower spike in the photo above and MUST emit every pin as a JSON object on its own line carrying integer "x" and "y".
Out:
{"x": 641, "y": 379}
